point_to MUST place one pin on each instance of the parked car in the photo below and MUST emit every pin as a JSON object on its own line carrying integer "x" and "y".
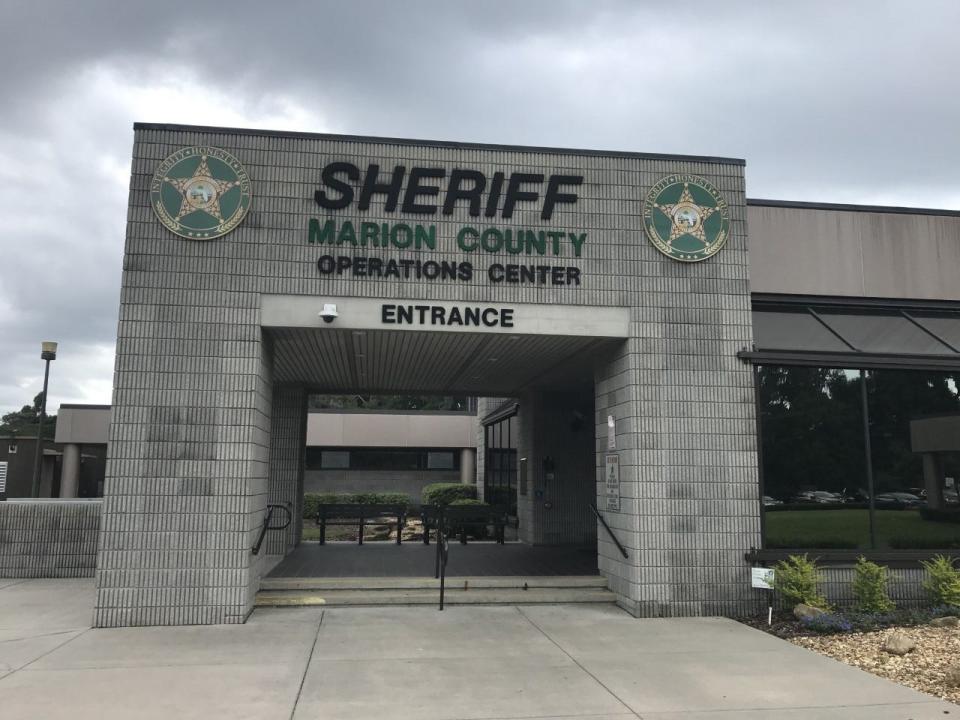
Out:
{"x": 768, "y": 501}
{"x": 821, "y": 497}
{"x": 898, "y": 501}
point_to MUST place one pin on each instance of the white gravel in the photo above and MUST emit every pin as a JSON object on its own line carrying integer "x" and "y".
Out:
{"x": 923, "y": 669}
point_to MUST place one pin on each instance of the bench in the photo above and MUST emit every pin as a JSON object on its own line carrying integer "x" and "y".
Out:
{"x": 456, "y": 520}
{"x": 359, "y": 514}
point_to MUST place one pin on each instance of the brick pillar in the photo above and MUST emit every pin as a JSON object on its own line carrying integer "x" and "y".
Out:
{"x": 288, "y": 437}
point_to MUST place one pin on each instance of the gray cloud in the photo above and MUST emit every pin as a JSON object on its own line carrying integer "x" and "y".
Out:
{"x": 846, "y": 102}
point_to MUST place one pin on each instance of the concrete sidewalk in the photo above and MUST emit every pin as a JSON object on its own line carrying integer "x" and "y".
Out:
{"x": 467, "y": 662}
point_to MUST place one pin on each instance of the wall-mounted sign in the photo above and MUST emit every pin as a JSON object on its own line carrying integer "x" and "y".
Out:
{"x": 457, "y": 315}
{"x": 200, "y": 193}
{"x": 611, "y": 432}
{"x": 762, "y": 578}
{"x": 430, "y": 191}
{"x": 498, "y": 194}
{"x": 612, "y": 482}
{"x": 686, "y": 218}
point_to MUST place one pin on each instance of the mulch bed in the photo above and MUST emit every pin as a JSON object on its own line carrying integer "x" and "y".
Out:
{"x": 923, "y": 669}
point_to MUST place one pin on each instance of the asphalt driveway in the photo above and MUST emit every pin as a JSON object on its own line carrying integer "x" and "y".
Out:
{"x": 552, "y": 661}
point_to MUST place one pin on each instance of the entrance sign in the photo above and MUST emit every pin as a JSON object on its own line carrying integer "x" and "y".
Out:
{"x": 356, "y": 313}
{"x": 462, "y": 316}
{"x": 686, "y": 218}
{"x": 612, "y": 482}
{"x": 200, "y": 193}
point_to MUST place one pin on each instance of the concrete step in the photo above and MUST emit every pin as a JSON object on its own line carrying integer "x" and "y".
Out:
{"x": 454, "y": 595}
{"x": 421, "y": 583}
{"x": 500, "y": 590}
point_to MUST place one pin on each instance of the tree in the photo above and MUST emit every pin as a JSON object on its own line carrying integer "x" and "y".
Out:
{"x": 25, "y": 420}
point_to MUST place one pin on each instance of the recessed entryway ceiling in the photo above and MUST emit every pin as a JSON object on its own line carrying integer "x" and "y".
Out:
{"x": 410, "y": 361}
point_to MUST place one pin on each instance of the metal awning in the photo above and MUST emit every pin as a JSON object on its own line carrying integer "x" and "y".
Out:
{"x": 853, "y": 335}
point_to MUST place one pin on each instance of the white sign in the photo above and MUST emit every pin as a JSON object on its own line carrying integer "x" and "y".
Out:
{"x": 612, "y": 482}
{"x": 3, "y": 477}
{"x": 611, "y": 432}
{"x": 762, "y": 578}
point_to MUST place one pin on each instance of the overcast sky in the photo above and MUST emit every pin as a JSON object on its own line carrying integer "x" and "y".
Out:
{"x": 828, "y": 101}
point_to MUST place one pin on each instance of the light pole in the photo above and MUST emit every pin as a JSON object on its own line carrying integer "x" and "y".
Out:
{"x": 48, "y": 352}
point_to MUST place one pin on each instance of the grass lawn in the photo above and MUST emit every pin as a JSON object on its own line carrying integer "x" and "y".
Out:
{"x": 850, "y": 529}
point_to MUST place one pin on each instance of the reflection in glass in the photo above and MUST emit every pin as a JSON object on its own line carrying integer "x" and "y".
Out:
{"x": 814, "y": 469}
{"x": 816, "y": 485}
{"x": 909, "y": 496}
{"x": 500, "y": 474}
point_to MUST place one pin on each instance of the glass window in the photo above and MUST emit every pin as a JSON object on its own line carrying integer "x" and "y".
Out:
{"x": 440, "y": 460}
{"x": 334, "y": 459}
{"x": 385, "y": 459}
{"x": 905, "y": 490}
{"x": 814, "y": 467}
{"x": 500, "y": 473}
{"x": 817, "y": 488}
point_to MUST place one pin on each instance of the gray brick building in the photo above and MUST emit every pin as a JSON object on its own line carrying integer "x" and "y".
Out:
{"x": 609, "y": 302}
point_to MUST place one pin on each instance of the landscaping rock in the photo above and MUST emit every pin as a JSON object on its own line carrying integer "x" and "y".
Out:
{"x": 899, "y": 644}
{"x": 948, "y": 621}
{"x": 807, "y": 612}
{"x": 930, "y": 668}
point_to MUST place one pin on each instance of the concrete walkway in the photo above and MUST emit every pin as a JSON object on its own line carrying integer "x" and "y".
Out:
{"x": 396, "y": 663}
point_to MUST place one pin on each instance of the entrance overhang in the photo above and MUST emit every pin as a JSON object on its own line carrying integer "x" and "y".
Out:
{"x": 364, "y": 348}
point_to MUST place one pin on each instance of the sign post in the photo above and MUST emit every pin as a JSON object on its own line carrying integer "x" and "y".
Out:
{"x": 762, "y": 579}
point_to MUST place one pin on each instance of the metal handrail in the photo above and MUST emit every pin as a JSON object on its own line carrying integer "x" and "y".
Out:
{"x": 267, "y": 526}
{"x": 443, "y": 550}
{"x": 609, "y": 531}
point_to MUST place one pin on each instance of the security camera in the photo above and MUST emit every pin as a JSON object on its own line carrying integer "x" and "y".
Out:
{"x": 329, "y": 313}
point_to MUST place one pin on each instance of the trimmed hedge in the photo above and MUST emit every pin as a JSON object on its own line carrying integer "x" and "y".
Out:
{"x": 442, "y": 494}
{"x": 312, "y": 501}
{"x": 468, "y": 501}
{"x": 821, "y": 543}
{"x": 946, "y": 515}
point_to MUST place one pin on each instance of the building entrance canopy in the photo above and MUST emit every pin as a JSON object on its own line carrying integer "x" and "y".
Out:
{"x": 386, "y": 345}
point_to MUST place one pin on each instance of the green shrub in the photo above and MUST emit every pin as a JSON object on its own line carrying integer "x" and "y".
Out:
{"x": 820, "y": 542}
{"x": 870, "y": 583}
{"x": 445, "y": 493}
{"x": 943, "y": 580}
{"x": 477, "y": 530}
{"x": 499, "y": 496}
{"x": 798, "y": 580}
{"x": 910, "y": 542}
{"x": 313, "y": 501}
{"x": 381, "y": 498}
